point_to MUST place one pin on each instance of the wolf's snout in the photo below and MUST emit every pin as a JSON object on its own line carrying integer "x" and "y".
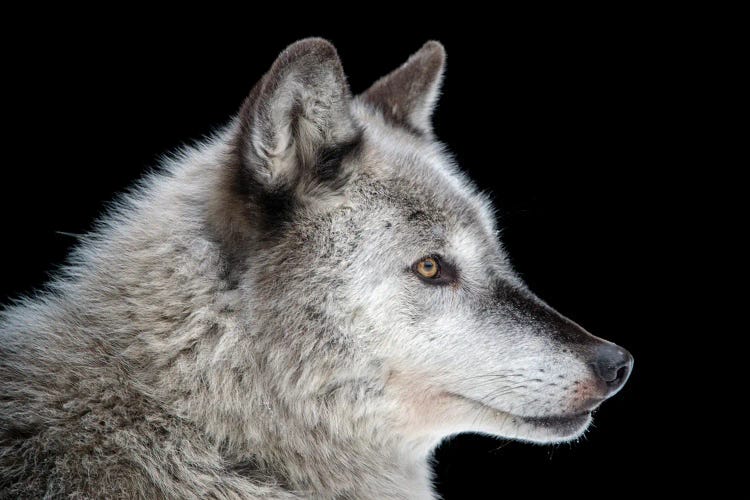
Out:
{"x": 612, "y": 364}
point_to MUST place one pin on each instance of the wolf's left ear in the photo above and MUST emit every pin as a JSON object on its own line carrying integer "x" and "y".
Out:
{"x": 295, "y": 126}
{"x": 407, "y": 96}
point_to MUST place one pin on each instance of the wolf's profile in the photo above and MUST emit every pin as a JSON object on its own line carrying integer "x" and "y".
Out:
{"x": 303, "y": 306}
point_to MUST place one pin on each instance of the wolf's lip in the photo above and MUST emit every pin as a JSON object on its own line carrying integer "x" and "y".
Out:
{"x": 558, "y": 422}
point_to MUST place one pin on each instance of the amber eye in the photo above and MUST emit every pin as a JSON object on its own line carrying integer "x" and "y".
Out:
{"x": 428, "y": 268}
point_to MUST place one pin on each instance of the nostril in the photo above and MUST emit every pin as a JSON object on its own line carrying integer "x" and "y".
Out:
{"x": 622, "y": 372}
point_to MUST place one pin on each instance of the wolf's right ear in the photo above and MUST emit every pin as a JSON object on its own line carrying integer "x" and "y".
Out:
{"x": 295, "y": 126}
{"x": 406, "y": 97}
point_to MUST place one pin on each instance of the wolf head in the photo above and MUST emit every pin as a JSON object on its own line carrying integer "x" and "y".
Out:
{"x": 375, "y": 293}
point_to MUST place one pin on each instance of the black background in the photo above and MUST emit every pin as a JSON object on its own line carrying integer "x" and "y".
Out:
{"x": 564, "y": 120}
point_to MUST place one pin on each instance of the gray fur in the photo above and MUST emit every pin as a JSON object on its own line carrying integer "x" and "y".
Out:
{"x": 245, "y": 323}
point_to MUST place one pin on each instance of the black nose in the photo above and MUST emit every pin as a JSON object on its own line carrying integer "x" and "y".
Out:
{"x": 613, "y": 365}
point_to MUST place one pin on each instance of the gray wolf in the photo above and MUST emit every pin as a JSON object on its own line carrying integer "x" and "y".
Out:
{"x": 302, "y": 306}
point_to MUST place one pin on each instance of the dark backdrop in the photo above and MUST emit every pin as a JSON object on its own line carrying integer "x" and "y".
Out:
{"x": 560, "y": 120}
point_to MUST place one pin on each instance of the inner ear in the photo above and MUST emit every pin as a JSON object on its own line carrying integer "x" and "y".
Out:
{"x": 406, "y": 97}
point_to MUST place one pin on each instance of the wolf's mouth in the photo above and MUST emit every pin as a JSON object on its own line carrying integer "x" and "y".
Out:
{"x": 559, "y": 424}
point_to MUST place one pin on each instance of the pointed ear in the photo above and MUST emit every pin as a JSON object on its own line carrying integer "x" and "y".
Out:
{"x": 407, "y": 96}
{"x": 296, "y": 125}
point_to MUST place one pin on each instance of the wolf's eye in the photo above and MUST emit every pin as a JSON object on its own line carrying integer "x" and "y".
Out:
{"x": 428, "y": 268}
{"x": 435, "y": 270}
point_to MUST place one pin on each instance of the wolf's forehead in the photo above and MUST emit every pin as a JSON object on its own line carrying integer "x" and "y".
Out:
{"x": 430, "y": 216}
{"x": 431, "y": 203}
{"x": 422, "y": 184}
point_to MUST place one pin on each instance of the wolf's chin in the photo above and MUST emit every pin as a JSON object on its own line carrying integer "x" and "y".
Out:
{"x": 546, "y": 429}
{"x": 553, "y": 429}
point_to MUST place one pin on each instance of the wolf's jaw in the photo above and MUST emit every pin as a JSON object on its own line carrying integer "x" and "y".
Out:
{"x": 555, "y": 427}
